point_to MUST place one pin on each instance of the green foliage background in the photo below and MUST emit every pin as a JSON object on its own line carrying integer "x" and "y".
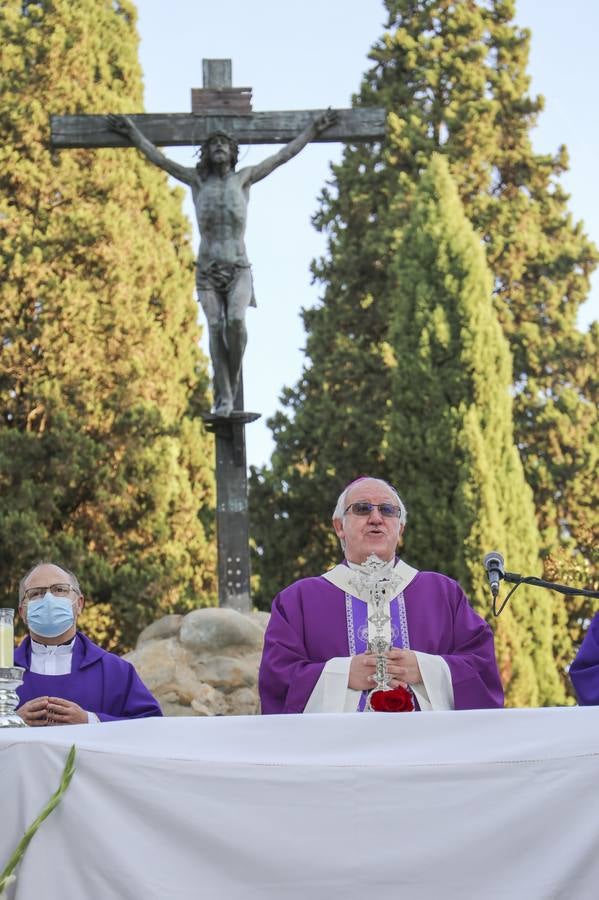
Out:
{"x": 104, "y": 464}
{"x": 452, "y": 367}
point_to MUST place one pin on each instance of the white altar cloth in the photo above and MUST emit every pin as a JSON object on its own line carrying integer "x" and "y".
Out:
{"x": 430, "y": 806}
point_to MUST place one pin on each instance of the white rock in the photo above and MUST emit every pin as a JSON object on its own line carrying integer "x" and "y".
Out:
{"x": 243, "y": 702}
{"x": 167, "y": 626}
{"x": 228, "y": 674}
{"x": 211, "y": 630}
{"x": 210, "y": 700}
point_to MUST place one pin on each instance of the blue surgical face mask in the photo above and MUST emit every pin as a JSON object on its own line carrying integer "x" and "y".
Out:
{"x": 50, "y": 616}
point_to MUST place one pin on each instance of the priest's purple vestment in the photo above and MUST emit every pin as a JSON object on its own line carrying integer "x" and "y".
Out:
{"x": 99, "y": 682}
{"x": 584, "y": 671}
{"x": 308, "y": 627}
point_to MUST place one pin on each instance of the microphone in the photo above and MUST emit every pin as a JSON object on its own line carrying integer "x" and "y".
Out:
{"x": 493, "y": 563}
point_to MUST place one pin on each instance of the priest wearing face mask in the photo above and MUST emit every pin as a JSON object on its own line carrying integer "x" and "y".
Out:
{"x": 68, "y": 679}
{"x": 316, "y": 652}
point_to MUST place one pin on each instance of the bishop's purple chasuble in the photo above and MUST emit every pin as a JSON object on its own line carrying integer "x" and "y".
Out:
{"x": 99, "y": 682}
{"x": 309, "y": 626}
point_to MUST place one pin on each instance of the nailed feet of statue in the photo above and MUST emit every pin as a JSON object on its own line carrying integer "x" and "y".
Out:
{"x": 223, "y": 407}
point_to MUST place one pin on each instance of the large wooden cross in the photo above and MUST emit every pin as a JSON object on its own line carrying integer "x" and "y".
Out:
{"x": 218, "y": 106}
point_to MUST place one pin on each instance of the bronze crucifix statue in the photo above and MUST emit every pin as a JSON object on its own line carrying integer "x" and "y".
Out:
{"x": 223, "y": 273}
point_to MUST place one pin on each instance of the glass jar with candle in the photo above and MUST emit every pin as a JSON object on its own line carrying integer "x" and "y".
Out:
{"x": 7, "y": 638}
{"x": 11, "y": 676}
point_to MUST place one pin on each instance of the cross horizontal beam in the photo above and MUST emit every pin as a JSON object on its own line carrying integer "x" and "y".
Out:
{"x": 185, "y": 129}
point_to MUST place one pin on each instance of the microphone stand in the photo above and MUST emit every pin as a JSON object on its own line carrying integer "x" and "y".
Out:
{"x": 515, "y": 578}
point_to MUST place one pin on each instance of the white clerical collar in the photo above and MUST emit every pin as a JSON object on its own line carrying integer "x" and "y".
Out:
{"x": 52, "y": 649}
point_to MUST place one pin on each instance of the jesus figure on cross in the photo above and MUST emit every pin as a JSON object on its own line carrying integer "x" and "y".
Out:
{"x": 223, "y": 273}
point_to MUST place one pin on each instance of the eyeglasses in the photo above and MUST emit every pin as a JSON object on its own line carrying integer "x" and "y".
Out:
{"x": 36, "y": 593}
{"x": 363, "y": 508}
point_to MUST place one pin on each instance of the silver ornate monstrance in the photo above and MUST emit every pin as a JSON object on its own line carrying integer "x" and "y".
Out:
{"x": 377, "y": 583}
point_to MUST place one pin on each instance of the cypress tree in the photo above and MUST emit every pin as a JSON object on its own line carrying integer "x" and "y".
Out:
{"x": 103, "y": 464}
{"x": 452, "y": 77}
{"x": 451, "y": 445}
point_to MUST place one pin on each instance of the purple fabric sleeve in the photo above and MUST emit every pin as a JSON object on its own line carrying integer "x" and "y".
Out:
{"x": 442, "y": 622}
{"x": 584, "y": 671}
{"x": 474, "y": 674}
{"x": 131, "y": 699}
{"x": 287, "y": 677}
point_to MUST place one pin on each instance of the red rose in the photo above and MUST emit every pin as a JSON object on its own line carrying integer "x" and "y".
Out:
{"x": 397, "y": 700}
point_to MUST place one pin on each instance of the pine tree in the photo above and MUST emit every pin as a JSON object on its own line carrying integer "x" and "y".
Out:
{"x": 451, "y": 445}
{"x": 452, "y": 77}
{"x": 103, "y": 464}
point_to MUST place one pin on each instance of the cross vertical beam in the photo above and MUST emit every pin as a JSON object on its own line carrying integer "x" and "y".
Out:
{"x": 217, "y": 73}
{"x": 232, "y": 513}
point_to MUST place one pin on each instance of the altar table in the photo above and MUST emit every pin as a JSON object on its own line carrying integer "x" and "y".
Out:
{"x": 478, "y": 805}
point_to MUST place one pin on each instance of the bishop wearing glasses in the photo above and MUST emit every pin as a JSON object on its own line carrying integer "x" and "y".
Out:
{"x": 317, "y": 646}
{"x": 68, "y": 679}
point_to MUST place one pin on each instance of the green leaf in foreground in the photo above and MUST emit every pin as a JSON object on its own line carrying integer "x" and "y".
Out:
{"x": 69, "y": 769}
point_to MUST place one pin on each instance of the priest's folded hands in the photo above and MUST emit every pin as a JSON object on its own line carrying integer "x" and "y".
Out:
{"x": 402, "y": 665}
{"x": 316, "y": 655}
{"x": 52, "y": 711}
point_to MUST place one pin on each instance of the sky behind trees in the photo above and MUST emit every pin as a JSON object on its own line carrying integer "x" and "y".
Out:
{"x": 311, "y": 56}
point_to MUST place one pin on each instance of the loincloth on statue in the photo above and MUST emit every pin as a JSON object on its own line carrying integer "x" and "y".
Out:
{"x": 222, "y": 277}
